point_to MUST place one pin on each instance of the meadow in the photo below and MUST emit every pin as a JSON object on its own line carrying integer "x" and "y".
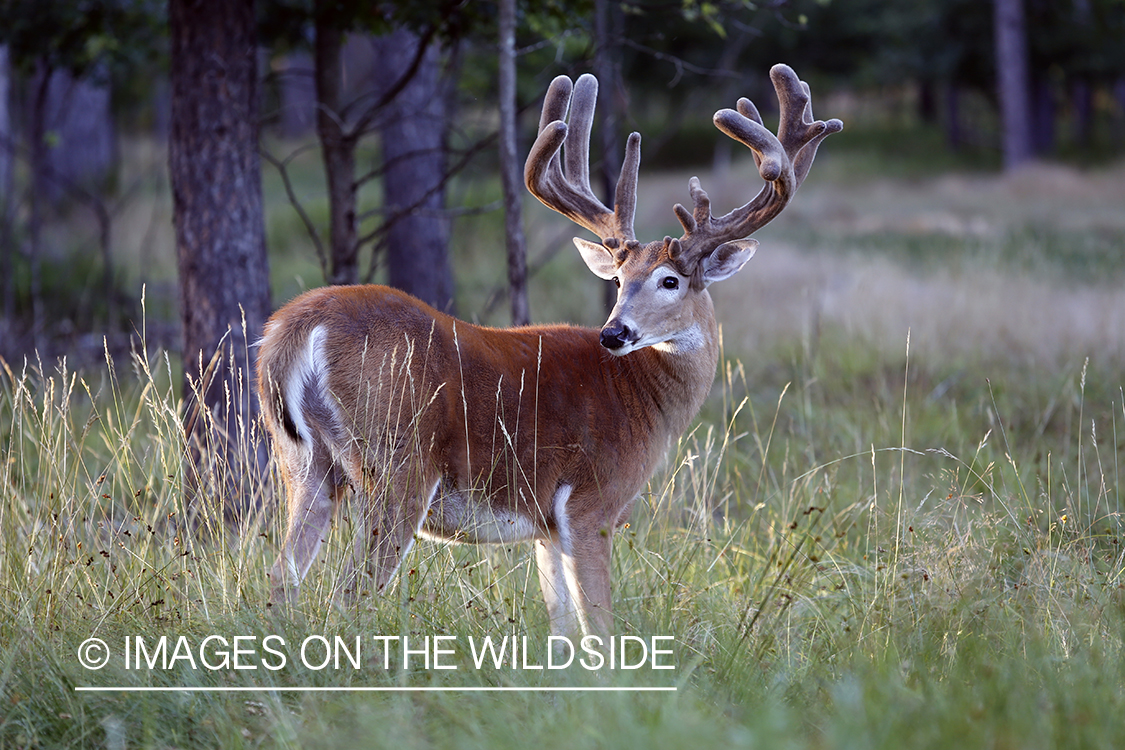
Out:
{"x": 896, "y": 523}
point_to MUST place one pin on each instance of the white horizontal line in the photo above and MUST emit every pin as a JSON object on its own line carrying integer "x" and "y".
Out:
{"x": 335, "y": 689}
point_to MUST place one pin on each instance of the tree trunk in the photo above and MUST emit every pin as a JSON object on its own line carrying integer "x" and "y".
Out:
{"x": 609, "y": 103}
{"x": 510, "y": 171}
{"x": 413, "y": 140}
{"x": 297, "y": 89}
{"x": 1082, "y": 96}
{"x": 37, "y": 151}
{"x": 84, "y": 152}
{"x": 1042, "y": 115}
{"x": 72, "y": 154}
{"x": 954, "y": 137}
{"x": 7, "y": 202}
{"x": 1119, "y": 95}
{"x": 1081, "y": 85}
{"x": 338, "y": 147}
{"x": 927, "y": 101}
{"x": 1012, "y": 82}
{"x": 220, "y": 245}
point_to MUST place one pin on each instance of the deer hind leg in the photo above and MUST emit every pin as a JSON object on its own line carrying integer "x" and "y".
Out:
{"x": 390, "y": 514}
{"x": 314, "y": 488}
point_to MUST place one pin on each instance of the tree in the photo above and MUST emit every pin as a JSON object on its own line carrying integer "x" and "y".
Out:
{"x": 337, "y": 144}
{"x": 510, "y": 168}
{"x": 297, "y": 94}
{"x": 83, "y": 152}
{"x": 82, "y": 45}
{"x": 220, "y": 240}
{"x": 412, "y": 135}
{"x": 7, "y": 280}
{"x": 1012, "y": 82}
{"x": 402, "y": 102}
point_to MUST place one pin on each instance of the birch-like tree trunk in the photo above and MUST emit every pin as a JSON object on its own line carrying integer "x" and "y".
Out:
{"x": 412, "y": 133}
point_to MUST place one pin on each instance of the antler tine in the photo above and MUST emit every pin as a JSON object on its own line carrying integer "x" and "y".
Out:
{"x": 564, "y": 184}
{"x": 576, "y": 149}
{"x": 556, "y": 102}
{"x": 783, "y": 161}
{"x": 746, "y": 108}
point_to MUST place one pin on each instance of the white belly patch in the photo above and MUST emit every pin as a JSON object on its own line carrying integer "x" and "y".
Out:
{"x": 456, "y": 517}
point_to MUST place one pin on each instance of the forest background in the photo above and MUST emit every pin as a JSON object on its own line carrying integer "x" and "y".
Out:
{"x": 896, "y": 522}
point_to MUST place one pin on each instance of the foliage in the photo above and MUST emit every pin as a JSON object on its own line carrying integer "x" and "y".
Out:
{"x": 946, "y": 40}
{"x": 853, "y": 549}
{"x": 288, "y": 23}
{"x": 82, "y": 37}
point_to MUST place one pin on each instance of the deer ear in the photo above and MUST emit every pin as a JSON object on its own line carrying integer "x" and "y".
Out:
{"x": 727, "y": 260}
{"x": 597, "y": 258}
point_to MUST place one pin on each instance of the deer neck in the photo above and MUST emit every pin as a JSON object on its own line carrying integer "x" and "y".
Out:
{"x": 679, "y": 373}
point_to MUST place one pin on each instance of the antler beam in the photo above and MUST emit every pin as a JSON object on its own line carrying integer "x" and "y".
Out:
{"x": 783, "y": 162}
{"x": 563, "y": 184}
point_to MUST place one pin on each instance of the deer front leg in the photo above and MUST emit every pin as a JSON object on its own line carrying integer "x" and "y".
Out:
{"x": 587, "y": 576}
{"x": 561, "y": 609}
{"x": 574, "y": 570}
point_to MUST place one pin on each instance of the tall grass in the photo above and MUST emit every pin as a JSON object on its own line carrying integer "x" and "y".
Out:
{"x": 843, "y": 561}
{"x": 859, "y": 545}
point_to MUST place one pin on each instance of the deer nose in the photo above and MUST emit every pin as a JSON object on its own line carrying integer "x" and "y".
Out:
{"x": 616, "y": 335}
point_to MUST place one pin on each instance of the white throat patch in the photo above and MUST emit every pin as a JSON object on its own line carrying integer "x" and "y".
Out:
{"x": 686, "y": 341}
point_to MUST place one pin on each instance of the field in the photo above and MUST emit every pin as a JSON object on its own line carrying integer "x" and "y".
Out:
{"x": 896, "y": 523}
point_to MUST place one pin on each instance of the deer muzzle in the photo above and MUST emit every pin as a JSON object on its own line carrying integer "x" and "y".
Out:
{"x": 616, "y": 335}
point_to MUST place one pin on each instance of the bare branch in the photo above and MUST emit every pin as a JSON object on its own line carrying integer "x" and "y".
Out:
{"x": 679, "y": 63}
{"x": 406, "y": 211}
{"x": 365, "y": 120}
{"x": 283, "y": 169}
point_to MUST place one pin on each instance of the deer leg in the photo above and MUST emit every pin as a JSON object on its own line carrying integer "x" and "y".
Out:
{"x": 393, "y": 514}
{"x": 556, "y": 591}
{"x": 579, "y": 548}
{"x": 313, "y": 494}
{"x": 587, "y": 576}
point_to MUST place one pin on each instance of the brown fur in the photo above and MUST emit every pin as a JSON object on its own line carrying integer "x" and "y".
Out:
{"x": 575, "y": 415}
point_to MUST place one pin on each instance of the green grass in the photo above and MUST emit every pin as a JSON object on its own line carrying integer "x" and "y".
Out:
{"x": 843, "y": 560}
{"x": 876, "y": 536}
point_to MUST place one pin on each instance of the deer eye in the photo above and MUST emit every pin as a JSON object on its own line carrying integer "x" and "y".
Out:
{"x": 617, "y": 282}
{"x": 670, "y": 282}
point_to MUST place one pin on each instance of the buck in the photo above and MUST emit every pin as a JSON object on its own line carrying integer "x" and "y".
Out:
{"x": 463, "y": 433}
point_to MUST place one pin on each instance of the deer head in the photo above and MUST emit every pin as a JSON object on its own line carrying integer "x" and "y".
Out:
{"x": 662, "y": 284}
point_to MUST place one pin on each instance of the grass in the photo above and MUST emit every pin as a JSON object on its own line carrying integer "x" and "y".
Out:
{"x": 844, "y": 565}
{"x": 895, "y": 524}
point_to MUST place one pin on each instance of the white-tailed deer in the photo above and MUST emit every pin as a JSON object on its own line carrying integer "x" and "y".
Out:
{"x": 455, "y": 431}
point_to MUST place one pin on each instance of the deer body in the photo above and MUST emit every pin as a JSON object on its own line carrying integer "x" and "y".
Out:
{"x": 491, "y": 428}
{"x": 547, "y": 433}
